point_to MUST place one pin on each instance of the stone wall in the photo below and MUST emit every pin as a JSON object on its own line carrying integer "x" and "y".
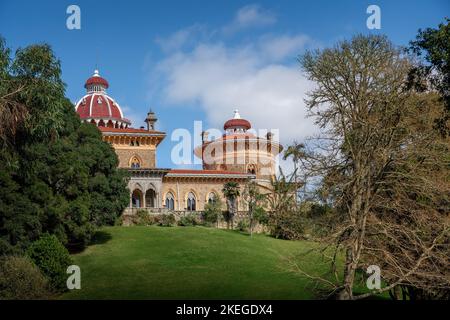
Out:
{"x": 128, "y": 214}
{"x": 145, "y": 155}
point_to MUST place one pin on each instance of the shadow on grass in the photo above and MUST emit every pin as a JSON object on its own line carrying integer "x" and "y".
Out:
{"x": 101, "y": 237}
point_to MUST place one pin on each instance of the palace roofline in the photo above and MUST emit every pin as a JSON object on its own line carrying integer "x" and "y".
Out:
{"x": 191, "y": 173}
{"x": 208, "y": 173}
{"x": 130, "y": 131}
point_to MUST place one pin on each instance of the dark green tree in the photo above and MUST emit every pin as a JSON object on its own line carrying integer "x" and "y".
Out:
{"x": 432, "y": 48}
{"x": 56, "y": 174}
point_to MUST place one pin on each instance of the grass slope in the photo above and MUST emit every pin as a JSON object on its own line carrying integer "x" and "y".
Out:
{"x": 191, "y": 263}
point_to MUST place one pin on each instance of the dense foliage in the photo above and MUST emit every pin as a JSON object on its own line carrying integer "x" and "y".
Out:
{"x": 284, "y": 218}
{"x": 212, "y": 211}
{"x": 432, "y": 48}
{"x": 52, "y": 258}
{"x": 21, "y": 279}
{"x": 189, "y": 220}
{"x": 56, "y": 174}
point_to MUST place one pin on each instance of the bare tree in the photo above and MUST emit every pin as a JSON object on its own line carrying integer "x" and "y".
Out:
{"x": 382, "y": 165}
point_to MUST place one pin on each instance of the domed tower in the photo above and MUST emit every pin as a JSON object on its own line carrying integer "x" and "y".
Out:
{"x": 240, "y": 150}
{"x": 97, "y": 107}
{"x": 135, "y": 147}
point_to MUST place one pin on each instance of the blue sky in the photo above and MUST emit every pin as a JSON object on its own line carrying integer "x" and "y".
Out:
{"x": 199, "y": 60}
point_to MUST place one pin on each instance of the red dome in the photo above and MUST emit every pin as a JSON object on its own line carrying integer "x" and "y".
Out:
{"x": 96, "y": 80}
{"x": 98, "y": 105}
{"x": 237, "y": 123}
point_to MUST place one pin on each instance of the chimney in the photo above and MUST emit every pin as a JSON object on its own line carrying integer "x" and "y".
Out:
{"x": 150, "y": 120}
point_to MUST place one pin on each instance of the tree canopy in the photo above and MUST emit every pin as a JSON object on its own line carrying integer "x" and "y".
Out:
{"x": 56, "y": 174}
{"x": 383, "y": 166}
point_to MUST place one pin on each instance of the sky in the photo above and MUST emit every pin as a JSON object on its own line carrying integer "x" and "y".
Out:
{"x": 199, "y": 60}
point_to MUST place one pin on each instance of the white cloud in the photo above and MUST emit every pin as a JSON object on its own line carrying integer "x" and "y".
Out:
{"x": 280, "y": 47}
{"x": 220, "y": 79}
{"x": 136, "y": 120}
{"x": 181, "y": 37}
{"x": 252, "y": 77}
{"x": 250, "y": 16}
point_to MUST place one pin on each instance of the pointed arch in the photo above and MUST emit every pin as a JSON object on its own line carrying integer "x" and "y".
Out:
{"x": 135, "y": 162}
{"x": 169, "y": 200}
{"x": 211, "y": 196}
{"x": 191, "y": 200}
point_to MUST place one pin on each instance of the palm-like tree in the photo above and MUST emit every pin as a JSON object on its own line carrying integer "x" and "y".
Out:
{"x": 231, "y": 192}
{"x": 296, "y": 151}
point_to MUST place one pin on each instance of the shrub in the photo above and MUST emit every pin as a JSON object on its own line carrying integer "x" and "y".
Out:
{"x": 52, "y": 258}
{"x": 212, "y": 211}
{"x": 260, "y": 216}
{"x": 189, "y": 220}
{"x": 22, "y": 280}
{"x": 143, "y": 218}
{"x": 242, "y": 225}
{"x": 287, "y": 225}
{"x": 166, "y": 220}
{"x": 119, "y": 221}
{"x": 318, "y": 219}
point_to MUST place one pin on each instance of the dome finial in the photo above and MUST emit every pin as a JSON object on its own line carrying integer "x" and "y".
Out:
{"x": 96, "y": 74}
{"x": 236, "y": 114}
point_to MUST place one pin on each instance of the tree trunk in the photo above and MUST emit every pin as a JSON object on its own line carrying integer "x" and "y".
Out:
{"x": 349, "y": 275}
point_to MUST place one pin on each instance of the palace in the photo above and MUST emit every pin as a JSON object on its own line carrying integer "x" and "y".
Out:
{"x": 238, "y": 155}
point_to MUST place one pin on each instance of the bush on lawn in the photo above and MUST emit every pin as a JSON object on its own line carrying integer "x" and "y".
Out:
{"x": 212, "y": 212}
{"x": 287, "y": 225}
{"x": 189, "y": 220}
{"x": 52, "y": 258}
{"x": 242, "y": 225}
{"x": 21, "y": 279}
{"x": 166, "y": 220}
{"x": 143, "y": 218}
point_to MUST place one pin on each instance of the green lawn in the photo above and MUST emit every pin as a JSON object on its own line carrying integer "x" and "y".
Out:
{"x": 192, "y": 263}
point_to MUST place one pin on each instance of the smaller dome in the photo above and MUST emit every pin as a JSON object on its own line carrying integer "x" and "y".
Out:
{"x": 237, "y": 122}
{"x": 96, "y": 80}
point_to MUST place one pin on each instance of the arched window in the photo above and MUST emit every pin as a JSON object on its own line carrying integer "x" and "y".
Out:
{"x": 150, "y": 197}
{"x": 251, "y": 169}
{"x": 136, "y": 198}
{"x": 191, "y": 202}
{"x": 135, "y": 163}
{"x": 212, "y": 198}
{"x": 170, "y": 202}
